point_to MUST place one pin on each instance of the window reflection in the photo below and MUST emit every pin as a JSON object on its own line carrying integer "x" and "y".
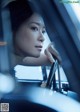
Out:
{"x": 73, "y": 10}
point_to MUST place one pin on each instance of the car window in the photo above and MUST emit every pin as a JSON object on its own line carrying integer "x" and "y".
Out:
{"x": 73, "y": 10}
{"x": 66, "y": 79}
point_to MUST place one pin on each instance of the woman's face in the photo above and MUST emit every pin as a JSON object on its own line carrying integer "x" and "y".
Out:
{"x": 30, "y": 36}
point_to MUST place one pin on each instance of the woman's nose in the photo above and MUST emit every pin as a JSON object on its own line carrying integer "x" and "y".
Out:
{"x": 41, "y": 37}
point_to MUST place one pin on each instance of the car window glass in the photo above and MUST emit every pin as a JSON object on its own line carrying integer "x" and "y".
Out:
{"x": 73, "y": 10}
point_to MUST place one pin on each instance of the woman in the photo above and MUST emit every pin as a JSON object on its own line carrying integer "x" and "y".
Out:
{"x": 29, "y": 35}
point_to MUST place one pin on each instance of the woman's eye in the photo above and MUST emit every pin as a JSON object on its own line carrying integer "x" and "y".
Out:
{"x": 34, "y": 28}
{"x": 43, "y": 31}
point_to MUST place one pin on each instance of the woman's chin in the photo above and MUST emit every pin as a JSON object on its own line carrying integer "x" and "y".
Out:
{"x": 32, "y": 54}
{"x": 36, "y": 55}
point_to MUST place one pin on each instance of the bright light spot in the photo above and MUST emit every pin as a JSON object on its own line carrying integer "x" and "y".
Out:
{"x": 76, "y": 9}
{"x": 28, "y": 72}
{"x": 6, "y": 83}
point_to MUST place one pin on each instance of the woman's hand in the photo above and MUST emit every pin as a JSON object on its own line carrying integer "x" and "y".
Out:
{"x": 52, "y": 53}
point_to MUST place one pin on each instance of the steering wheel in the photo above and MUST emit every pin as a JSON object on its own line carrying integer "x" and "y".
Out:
{"x": 39, "y": 100}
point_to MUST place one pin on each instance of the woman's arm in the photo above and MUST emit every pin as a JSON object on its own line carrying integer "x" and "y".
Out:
{"x": 42, "y": 60}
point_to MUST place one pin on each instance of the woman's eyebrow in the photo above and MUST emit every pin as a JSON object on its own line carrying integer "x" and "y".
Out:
{"x": 39, "y": 24}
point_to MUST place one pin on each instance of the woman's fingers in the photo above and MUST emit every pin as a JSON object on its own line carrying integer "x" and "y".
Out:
{"x": 52, "y": 53}
{"x": 49, "y": 56}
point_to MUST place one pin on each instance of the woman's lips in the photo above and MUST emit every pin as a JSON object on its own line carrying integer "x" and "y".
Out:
{"x": 39, "y": 47}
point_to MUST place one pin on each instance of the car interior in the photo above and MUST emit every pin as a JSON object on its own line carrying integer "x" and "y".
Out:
{"x": 62, "y": 90}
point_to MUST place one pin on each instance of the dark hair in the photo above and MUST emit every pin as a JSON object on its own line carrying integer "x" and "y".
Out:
{"x": 20, "y": 11}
